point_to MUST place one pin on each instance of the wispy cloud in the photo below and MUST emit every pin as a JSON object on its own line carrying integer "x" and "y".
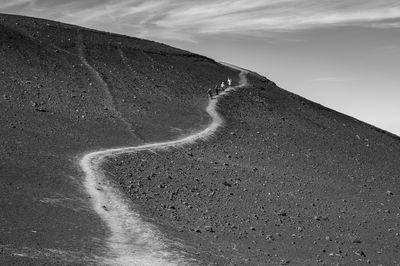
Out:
{"x": 186, "y": 19}
{"x": 390, "y": 49}
{"x": 6, "y": 4}
{"x": 330, "y": 79}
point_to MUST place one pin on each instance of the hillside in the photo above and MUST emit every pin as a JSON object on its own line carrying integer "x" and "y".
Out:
{"x": 285, "y": 181}
{"x": 66, "y": 90}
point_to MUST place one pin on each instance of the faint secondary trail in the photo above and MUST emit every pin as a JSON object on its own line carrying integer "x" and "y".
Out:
{"x": 133, "y": 241}
{"x": 108, "y": 98}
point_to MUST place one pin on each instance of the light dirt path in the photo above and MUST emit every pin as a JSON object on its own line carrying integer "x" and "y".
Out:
{"x": 132, "y": 241}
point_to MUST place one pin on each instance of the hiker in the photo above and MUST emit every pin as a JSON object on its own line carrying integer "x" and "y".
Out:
{"x": 229, "y": 81}
{"x": 222, "y": 86}
{"x": 209, "y": 92}
{"x": 216, "y": 90}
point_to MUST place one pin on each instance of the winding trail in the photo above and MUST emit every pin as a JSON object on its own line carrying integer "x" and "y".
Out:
{"x": 133, "y": 241}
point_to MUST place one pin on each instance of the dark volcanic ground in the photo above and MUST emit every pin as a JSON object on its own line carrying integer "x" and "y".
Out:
{"x": 286, "y": 181}
{"x": 65, "y": 90}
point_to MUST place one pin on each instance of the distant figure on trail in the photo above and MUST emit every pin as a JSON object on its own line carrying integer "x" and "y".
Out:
{"x": 229, "y": 81}
{"x": 222, "y": 86}
{"x": 216, "y": 90}
{"x": 209, "y": 92}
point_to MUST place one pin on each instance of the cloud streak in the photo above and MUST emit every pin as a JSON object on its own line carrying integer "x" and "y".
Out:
{"x": 188, "y": 19}
{"x": 330, "y": 79}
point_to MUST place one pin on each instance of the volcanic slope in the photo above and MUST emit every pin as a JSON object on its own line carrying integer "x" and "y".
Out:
{"x": 67, "y": 90}
{"x": 286, "y": 181}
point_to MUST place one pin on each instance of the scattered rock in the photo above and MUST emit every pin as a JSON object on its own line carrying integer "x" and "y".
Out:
{"x": 226, "y": 183}
{"x": 209, "y": 228}
{"x": 285, "y": 262}
{"x": 360, "y": 253}
{"x": 282, "y": 213}
{"x": 321, "y": 218}
{"x": 269, "y": 237}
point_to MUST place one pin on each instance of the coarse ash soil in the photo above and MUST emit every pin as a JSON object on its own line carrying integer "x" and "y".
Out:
{"x": 285, "y": 181}
{"x": 67, "y": 90}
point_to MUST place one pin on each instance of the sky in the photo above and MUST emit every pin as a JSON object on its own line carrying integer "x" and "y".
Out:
{"x": 342, "y": 54}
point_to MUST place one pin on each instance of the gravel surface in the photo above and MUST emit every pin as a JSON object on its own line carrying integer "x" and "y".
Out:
{"x": 66, "y": 90}
{"x": 286, "y": 181}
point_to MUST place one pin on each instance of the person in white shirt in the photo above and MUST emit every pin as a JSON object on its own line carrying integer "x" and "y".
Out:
{"x": 216, "y": 90}
{"x": 229, "y": 82}
{"x": 222, "y": 86}
{"x": 209, "y": 92}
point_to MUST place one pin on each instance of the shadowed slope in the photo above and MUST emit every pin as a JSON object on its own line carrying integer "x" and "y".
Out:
{"x": 53, "y": 107}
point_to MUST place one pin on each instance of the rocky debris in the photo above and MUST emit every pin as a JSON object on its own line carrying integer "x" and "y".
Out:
{"x": 227, "y": 184}
{"x": 41, "y": 109}
{"x": 321, "y": 218}
{"x": 269, "y": 237}
{"x": 40, "y": 74}
{"x": 38, "y": 107}
{"x": 197, "y": 230}
{"x": 282, "y": 213}
{"x": 209, "y": 228}
{"x": 263, "y": 200}
{"x": 360, "y": 253}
